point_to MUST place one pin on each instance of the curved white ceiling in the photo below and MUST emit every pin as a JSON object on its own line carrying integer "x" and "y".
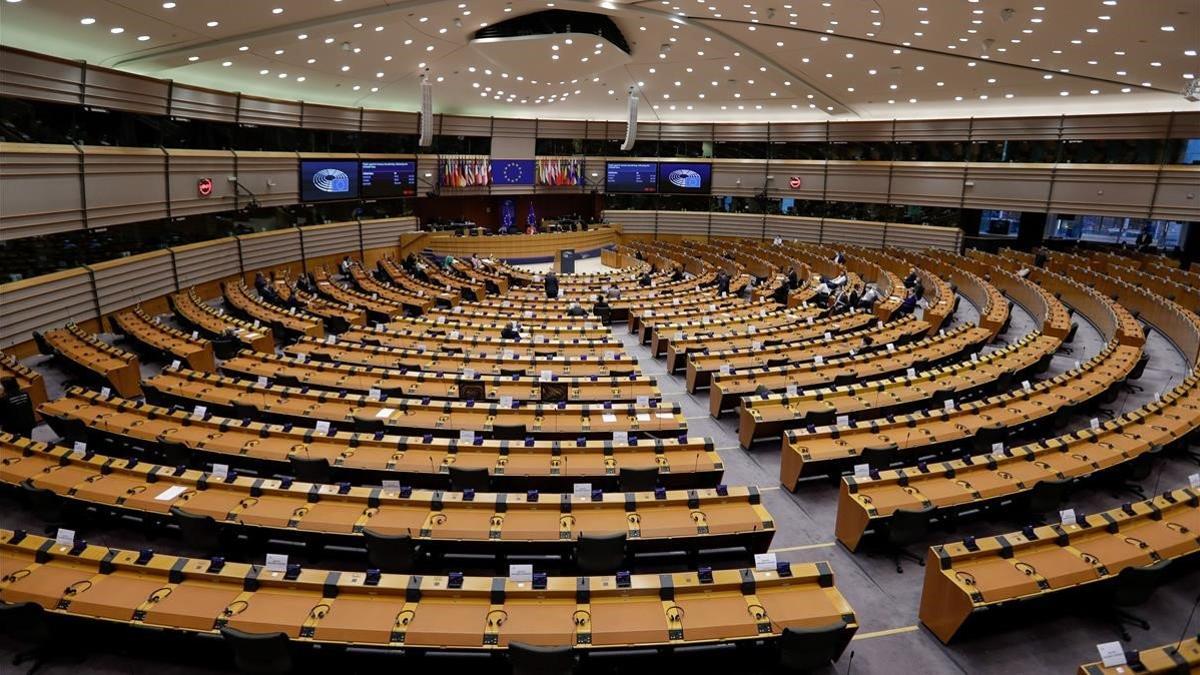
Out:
{"x": 692, "y": 60}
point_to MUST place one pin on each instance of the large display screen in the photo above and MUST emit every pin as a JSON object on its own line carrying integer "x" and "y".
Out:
{"x": 685, "y": 178}
{"x": 389, "y": 179}
{"x": 631, "y": 177}
{"x": 322, "y": 180}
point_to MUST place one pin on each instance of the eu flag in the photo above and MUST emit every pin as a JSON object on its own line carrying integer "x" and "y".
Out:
{"x": 512, "y": 172}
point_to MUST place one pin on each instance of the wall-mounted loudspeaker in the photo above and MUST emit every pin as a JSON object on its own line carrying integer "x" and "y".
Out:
{"x": 631, "y": 124}
{"x": 426, "y": 113}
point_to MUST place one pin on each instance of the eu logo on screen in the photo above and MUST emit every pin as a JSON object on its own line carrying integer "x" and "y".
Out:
{"x": 686, "y": 179}
{"x": 331, "y": 180}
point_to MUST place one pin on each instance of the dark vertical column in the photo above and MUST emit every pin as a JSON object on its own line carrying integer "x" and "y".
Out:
{"x": 968, "y": 221}
{"x": 1191, "y": 245}
{"x": 1032, "y": 230}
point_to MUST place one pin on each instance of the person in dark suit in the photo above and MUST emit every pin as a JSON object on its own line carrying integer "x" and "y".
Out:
{"x": 1144, "y": 239}
{"x": 722, "y": 282}
{"x": 911, "y": 279}
{"x": 510, "y": 332}
{"x": 600, "y": 306}
{"x": 793, "y": 279}
{"x": 551, "y": 285}
{"x": 839, "y": 258}
{"x": 645, "y": 280}
{"x": 576, "y": 310}
{"x": 780, "y": 294}
{"x": 16, "y": 409}
{"x": 908, "y": 305}
{"x": 677, "y": 274}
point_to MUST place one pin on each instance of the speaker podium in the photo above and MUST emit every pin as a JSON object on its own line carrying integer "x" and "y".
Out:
{"x": 564, "y": 262}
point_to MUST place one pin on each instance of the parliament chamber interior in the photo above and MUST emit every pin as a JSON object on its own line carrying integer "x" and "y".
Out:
{"x": 859, "y": 336}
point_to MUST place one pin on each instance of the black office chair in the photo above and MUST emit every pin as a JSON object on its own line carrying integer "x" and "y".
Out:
{"x": 1065, "y": 348}
{"x": 46, "y": 505}
{"x": 27, "y": 624}
{"x": 605, "y": 315}
{"x": 939, "y": 398}
{"x": 820, "y": 418}
{"x": 529, "y": 659}
{"x": 72, "y": 430}
{"x": 172, "y": 453}
{"x": 508, "y": 432}
{"x": 336, "y": 325}
{"x": 244, "y": 411}
{"x": 509, "y": 372}
{"x": 390, "y": 553}
{"x": 320, "y": 357}
{"x": 553, "y": 392}
{"x": 806, "y": 649}
{"x": 880, "y": 456}
{"x": 226, "y": 347}
{"x": 1133, "y": 587}
{"x": 620, "y": 373}
{"x": 844, "y": 379}
{"x": 200, "y": 531}
{"x": 986, "y": 437}
{"x": 475, "y": 479}
{"x": 637, "y": 480}
{"x": 1130, "y": 473}
{"x": 1136, "y": 373}
{"x": 366, "y": 423}
{"x": 1044, "y": 497}
{"x": 778, "y": 362}
{"x": 600, "y": 554}
{"x": 471, "y": 391}
{"x": 311, "y": 469}
{"x": 907, "y": 527}
{"x": 42, "y": 343}
{"x": 259, "y": 653}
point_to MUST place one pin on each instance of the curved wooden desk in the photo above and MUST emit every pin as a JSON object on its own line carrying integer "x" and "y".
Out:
{"x": 117, "y": 367}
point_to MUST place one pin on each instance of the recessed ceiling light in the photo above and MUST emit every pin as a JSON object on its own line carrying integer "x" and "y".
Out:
{"x": 226, "y": 64}
{"x": 143, "y": 38}
{"x": 87, "y": 21}
{"x": 277, "y": 10}
{"x": 193, "y": 59}
{"x": 168, "y": 5}
{"x": 116, "y": 30}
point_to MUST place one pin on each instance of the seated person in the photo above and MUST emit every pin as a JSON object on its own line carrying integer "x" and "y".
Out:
{"x": 908, "y": 306}
{"x": 911, "y": 279}
{"x": 839, "y": 257}
{"x": 780, "y": 294}
{"x": 600, "y": 306}
{"x": 869, "y": 297}
{"x": 838, "y": 281}
{"x": 793, "y": 279}
{"x": 511, "y": 332}
{"x": 645, "y": 280}
{"x": 551, "y": 282}
{"x": 677, "y": 274}
{"x": 576, "y": 310}
{"x": 614, "y": 293}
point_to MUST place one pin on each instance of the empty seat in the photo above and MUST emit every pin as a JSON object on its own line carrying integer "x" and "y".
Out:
{"x": 474, "y": 479}
{"x": 311, "y": 469}
{"x": 259, "y": 653}
{"x": 529, "y": 659}
{"x": 805, "y": 649}
{"x": 390, "y": 553}
{"x": 637, "y": 480}
{"x": 600, "y": 554}
{"x": 509, "y": 432}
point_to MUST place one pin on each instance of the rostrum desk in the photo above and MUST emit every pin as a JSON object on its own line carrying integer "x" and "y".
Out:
{"x": 433, "y": 612}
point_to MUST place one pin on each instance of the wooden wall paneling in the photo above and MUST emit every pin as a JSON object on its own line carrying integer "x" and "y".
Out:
{"x": 633, "y": 222}
{"x": 40, "y": 190}
{"x": 40, "y": 78}
{"x": 1186, "y": 124}
{"x": 928, "y": 183}
{"x": 932, "y": 130}
{"x": 198, "y": 103}
{"x": 1145, "y": 125}
{"x": 386, "y": 232}
{"x": 119, "y": 90}
{"x": 390, "y": 121}
{"x": 273, "y": 177}
{"x": 1017, "y": 187}
{"x": 1103, "y": 189}
{"x": 561, "y": 128}
{"x": 793, "y": 228}
{"x": 124, "y": 185}
{"x": 690, "y": 223}
{"x": 810, "y": 172}
{"x": 857, "y": 181}
{"x": 328, "y": 240}
{"x": 865, "y": 131}
{"x": 860, "y": 233}
{"x": 737, "y": 131}
{"x": 738, "y": 177}
{"x": 806, "y": 132}
{"x": 125, "y": 282}
{"x": 735, "y": 225}
{"x": 206, "y": 261}
{"x": 337, "y": 118}
{"x": 185, "y": 168}
{"x": 269, "y": 250}
{"x": 503, "y": 127}
{"x": 685, "y": 132}
{"x": 1178, "y": 194}
{"x": 461, "y": 125}
{"x": 1015, "y": 128}
{"x": 921, "y": 237}
{"x": 43, "y": 303}
{"x": 269, "y": 112}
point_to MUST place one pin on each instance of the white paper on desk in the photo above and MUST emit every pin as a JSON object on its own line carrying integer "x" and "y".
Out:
{"x": 666, "y": 416}
{"x": 220, "y": 471}
{"x": 726, "y": 369}
{"x": 454, "y": 335}
{"x": 862, "y": 470}
{"x": 1026, "y": 385}
{"x": 949, "y": 404}
{"x": 80, "y": 448}
{"x": 466, "y": 435}
{"x": 539, "y": 339}
{"x": 756, "y": 345}
{"x": 506, "y": 401}
{"x": 322, "y": 427}
{"x": 818, "y": 359}
{"x": 277, "y": 562}
{"x": 620, "y": 438}
{"x": 678, "y": 336}
{"x": 302, "y": 357}
{"x": 582, "y": 490}
{"x": 1078, "y": 365}
{"x": 391, "y": 485}
{"x": 643, "y": 417}
{"x": 441, "y": 319}
{"x": 765, "y": 562}
{"x": 608, "y": 356}
{"x": 975, "y": 356}
{"x": 828, "y": 335}
{"x": 292, "y": 310}
{"x": 262, "y": 381}
{"x": 546, "y": 376}
{"x": 843, "y": 420}
{"x": 508, "y": 354}
{"x": 1194, "y": 481}
{"x": 200, "y": 411}
{"x": 609, "y": 417}
{"x": 520, "y": 573}
{"x": 257, "y": 324}
{"x": 891, "y": 347}
{"x": 175, "y": 364}
{"x": 170, "y": 493}
{"x": 468, "y": 373}
{"x": 792, "y": 390}
{"x": 1067, "y": 516}
{"x": 810, "y": 321}
{"x": 329, "y": 339}
{"x": 1111, "y": 654}
{"x": 643, "y": 401}
{"x": 1095, "y": 422}
{"x": 997, "y": 448}
{"x": 384, "y": 413}
{"x": 105, "y": 392}
{"x": 64, "y": 537}
{"x": 912, "y": 372}
{"x": 374, "y": 394}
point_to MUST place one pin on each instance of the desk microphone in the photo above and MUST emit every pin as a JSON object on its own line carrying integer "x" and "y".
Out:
{"x": 849, "y": 662}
